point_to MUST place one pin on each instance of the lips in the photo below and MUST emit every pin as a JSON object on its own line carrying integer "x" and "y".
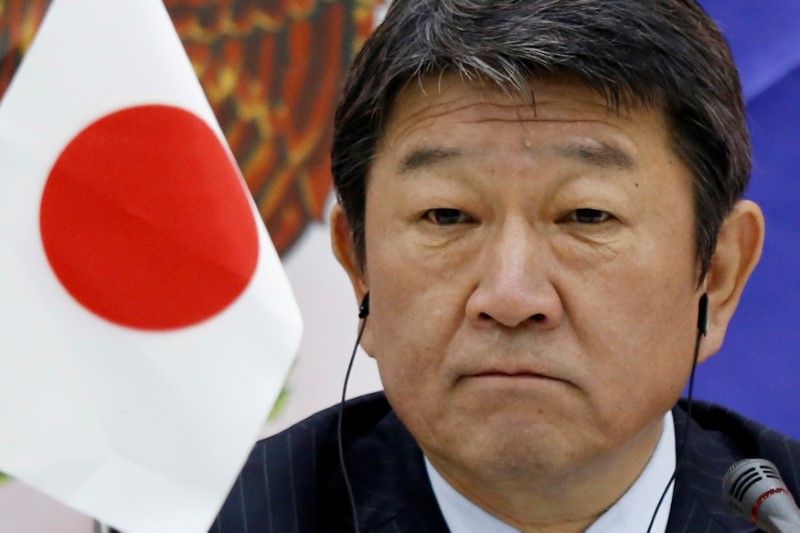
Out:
{"x": 524, "y": 367}
{"x": 515, "y": 373}
{"x": 512, "y": 374}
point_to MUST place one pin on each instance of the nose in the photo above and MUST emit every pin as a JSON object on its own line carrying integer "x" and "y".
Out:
{"x": 515, "y": 286}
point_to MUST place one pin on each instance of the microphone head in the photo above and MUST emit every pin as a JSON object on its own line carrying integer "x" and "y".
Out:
{"x": 754, "y": 488}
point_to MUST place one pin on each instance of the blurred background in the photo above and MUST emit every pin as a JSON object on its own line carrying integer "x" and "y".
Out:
{"x": 271, "y": 70}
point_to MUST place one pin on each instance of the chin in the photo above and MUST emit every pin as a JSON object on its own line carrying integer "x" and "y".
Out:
{"x": 516, "y": 452}
{"x": 515, "y": 465}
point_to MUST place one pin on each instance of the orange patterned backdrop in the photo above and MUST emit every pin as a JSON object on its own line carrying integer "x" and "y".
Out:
{"x": 271, "y": 70}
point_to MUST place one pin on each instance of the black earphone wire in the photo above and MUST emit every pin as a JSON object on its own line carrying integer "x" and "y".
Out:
{"x": 341, "y": 418}
{"x": 701, "y": 331}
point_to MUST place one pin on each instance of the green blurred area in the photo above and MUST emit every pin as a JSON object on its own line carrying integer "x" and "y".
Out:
{"x": 280, "y": 403}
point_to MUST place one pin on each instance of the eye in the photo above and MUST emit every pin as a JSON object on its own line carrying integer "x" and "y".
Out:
{"x": 589, "y": 216}
{"x": 446, "y": 216}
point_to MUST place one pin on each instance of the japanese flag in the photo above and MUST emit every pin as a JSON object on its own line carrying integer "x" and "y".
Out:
{"x": 146, "y": 325}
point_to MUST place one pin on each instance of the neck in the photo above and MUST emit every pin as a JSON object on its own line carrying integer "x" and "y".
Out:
{"x": 541, "y": 500}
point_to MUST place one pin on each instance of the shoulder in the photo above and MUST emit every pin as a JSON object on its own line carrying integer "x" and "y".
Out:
{"x": 742, "y": 437}
{"x": 292, "y": 480}
{"x": 319, "y": 431}
{"x": 719, "y": 437}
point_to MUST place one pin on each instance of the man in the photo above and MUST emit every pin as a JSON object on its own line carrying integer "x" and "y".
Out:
{"x": 539, "y": 197}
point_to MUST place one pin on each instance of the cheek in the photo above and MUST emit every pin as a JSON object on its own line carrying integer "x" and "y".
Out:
{"x": 412, "y": 313}
{"x": 637, "y": 327}
{"x": 418, "y": 300}
{"x": 415, "y": 290}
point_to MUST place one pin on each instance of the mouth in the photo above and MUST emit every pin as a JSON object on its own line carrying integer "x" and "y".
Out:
{"x": 514, "y": 384}
{"x": 499, "y": 374}
{"x": 511, "y": 375}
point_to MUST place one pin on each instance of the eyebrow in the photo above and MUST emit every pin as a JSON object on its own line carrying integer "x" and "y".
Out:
{"x": 596, "y": 154}
{"x": 427, "y": 157}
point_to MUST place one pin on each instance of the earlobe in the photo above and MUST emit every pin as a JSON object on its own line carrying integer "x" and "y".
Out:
{"x": 344, "y": 250}
{"x": 738, "y": 250}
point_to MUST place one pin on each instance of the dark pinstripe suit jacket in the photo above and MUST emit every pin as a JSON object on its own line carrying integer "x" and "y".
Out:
{"x": 292, "y": 482}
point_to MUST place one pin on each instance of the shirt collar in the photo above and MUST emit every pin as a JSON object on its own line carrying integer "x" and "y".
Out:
{"x": 632, "y": 512}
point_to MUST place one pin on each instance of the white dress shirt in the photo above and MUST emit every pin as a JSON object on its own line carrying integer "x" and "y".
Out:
{"x": 631, "y": 513}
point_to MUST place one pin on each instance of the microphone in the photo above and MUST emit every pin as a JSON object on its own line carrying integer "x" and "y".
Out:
{"x": 754, "y": 488}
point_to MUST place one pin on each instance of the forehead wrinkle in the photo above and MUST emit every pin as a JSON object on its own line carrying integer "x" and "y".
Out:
{"x": 425, "y": 114}
{"x": 586, "y": 150}
{"x": 592, "y": 153}
{"x": 618, "y": 154}
{"x": 445, "y": 110}
{"x": 517, "y": 118}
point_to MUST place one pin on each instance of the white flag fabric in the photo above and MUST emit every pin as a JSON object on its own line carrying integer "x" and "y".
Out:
{"x": 146, "y": 325}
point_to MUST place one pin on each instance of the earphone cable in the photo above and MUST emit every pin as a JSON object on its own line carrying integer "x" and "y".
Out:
{"x": 339, "y": 428}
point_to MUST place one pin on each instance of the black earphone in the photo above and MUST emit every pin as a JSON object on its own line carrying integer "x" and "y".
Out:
{"x": 702, "y": 315}
{"x": 363, "y": 309}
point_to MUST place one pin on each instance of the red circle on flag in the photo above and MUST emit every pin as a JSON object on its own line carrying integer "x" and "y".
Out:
{"x": 146, "y": 221}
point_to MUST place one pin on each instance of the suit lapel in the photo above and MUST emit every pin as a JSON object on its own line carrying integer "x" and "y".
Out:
{"x": 390, "y": 483}
{"x": 697, "y": 504}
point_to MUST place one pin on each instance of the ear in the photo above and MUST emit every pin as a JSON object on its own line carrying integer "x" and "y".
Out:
{"x": 738, "y": 250}
{"x": 345, "y": 252}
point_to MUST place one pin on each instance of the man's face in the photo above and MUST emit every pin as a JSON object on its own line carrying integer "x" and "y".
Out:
{"x": 532, "y": 276}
